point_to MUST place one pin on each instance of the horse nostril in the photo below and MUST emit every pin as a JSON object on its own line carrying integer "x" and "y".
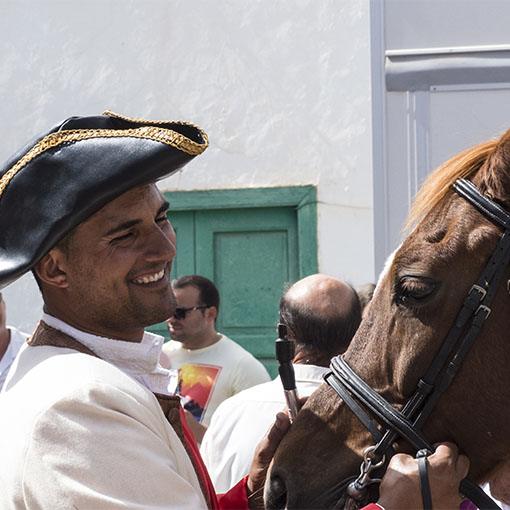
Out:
{"x": 276, "y": 496}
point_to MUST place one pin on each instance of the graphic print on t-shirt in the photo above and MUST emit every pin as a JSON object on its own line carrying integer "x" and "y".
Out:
{"x": 195, "y": 386}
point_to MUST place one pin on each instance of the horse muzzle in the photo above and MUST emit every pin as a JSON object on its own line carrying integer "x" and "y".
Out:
{"x": 275, "y": 492}
{"x": 280, "y": 494}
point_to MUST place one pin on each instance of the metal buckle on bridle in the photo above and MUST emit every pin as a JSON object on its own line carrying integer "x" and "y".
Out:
{"x": 357, "y": 490}
{"x": 486, "y": 309}
{"x": 481, "y": 290}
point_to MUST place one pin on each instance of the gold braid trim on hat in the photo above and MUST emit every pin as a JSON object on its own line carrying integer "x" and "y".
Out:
{"x": 153, "y": 122}
{"x": 158, "y": 134}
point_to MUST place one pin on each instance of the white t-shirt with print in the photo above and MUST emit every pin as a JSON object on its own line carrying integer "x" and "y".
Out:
{"x": 210, "y": 375}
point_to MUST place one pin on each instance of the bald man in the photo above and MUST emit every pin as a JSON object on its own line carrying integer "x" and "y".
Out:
{"x": 322, "y": 314}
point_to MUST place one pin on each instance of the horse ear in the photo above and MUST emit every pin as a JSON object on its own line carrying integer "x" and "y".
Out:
{"x": 495, "y": 173}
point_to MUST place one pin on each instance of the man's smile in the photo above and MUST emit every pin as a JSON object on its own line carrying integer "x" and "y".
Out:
{"x": 156, "y": 277}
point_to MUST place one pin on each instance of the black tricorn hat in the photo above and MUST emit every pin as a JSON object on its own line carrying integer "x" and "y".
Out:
{"x": 64, "y": 176}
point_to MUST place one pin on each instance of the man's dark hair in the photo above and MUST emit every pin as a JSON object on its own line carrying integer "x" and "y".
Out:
{"x": 208, "y": 293}
{"x": 329, "y": 335}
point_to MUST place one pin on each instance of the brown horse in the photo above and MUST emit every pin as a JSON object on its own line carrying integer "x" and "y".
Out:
{"x": 414, "y": 306}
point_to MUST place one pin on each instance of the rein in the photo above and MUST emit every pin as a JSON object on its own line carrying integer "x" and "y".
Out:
{"x": 407, "y": 424}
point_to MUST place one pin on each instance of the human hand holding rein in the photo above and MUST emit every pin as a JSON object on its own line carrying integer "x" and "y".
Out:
{"x": 400, "y": 488}
{"x": 263, "y": 456}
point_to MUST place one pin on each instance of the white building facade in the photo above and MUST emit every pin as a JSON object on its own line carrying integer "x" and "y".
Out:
{"x": 292, "y": 93}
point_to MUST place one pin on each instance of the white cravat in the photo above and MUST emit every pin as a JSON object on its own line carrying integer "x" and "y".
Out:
{"x": 140, "y": 360}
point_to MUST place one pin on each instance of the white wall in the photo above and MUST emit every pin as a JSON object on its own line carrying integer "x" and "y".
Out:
{"x": 282, "y": 88}
{"x": 446, "y": 78}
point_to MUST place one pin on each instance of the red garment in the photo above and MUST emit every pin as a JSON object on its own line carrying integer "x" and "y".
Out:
{"x": 465, "y": 505}
{"x": 235, "y": 499}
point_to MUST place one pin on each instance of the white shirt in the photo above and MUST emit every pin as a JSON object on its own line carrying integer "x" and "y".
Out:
{"x": 241, "y": 421}
{"x": 16, "y": 341}
{"x": 210, "y": 375}
{"x": 487, "y": 490}
{"x": 140, "y": 360}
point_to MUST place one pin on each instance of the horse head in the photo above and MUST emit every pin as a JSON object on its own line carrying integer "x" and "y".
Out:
{"x": 415, "y": 305}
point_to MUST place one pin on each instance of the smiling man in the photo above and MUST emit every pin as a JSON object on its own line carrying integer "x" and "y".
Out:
{"x": 86, "y": 415}
{"x": 124, "y": 252}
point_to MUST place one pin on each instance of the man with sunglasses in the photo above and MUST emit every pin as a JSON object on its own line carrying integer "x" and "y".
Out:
{"x": 212, "y": 367}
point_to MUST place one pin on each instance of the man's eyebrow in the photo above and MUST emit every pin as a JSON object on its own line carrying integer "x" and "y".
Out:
{"x": 164, "y": 207}
{"x": 123, "y": 226}
{"x": 128, "y": 224}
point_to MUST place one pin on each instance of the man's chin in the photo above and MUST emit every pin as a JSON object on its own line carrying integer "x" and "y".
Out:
{"x": 176, "y": 337}
{"x": 154, "y": 316}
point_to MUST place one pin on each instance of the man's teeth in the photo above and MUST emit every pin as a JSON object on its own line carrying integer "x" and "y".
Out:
{"x": 149, "y": 279}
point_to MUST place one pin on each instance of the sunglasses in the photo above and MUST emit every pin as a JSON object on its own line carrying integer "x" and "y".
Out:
{"x": 180, "y": 311}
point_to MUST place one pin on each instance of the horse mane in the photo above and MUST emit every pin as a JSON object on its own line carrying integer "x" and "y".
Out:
{"x": 438, "y": 183}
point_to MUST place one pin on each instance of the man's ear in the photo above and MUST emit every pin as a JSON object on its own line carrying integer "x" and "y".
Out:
{"x": 50, "y": 269}
{"x": 211, "y": 312}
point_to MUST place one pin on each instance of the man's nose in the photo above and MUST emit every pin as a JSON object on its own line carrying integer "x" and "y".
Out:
{"x": 161, "y": 245}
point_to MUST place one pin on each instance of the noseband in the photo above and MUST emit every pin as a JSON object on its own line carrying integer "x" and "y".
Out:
{"x": 407, "y": 424}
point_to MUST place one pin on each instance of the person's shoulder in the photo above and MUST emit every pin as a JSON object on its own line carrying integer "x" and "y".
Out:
{"x": 56, "y": 378}
{"x": 171, "y": 346}
{"x": 227, "y": 343}
{"x": 225, "y": 407}
{"x": 309, "y": 373}
{"x": 70, "y": 370}
{"x": 266, "y": 391}
{"x": 18, "y": 338}
{"x": 243, "y": 361}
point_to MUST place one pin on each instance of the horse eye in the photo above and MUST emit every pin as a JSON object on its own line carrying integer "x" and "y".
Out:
{"x": 413, "y": 291}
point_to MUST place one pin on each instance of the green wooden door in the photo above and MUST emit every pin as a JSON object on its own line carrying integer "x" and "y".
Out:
{"x": 250, "y": 253}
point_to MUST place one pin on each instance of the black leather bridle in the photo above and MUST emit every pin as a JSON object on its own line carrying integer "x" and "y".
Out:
{"x": 407, "y": 424}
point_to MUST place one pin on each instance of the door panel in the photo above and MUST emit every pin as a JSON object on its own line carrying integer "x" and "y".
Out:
{"x": 250, "y": 254}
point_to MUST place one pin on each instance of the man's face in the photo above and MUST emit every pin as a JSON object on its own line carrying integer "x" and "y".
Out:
{"x": 118, "y": 266}
{"x": 196, "y": 322}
